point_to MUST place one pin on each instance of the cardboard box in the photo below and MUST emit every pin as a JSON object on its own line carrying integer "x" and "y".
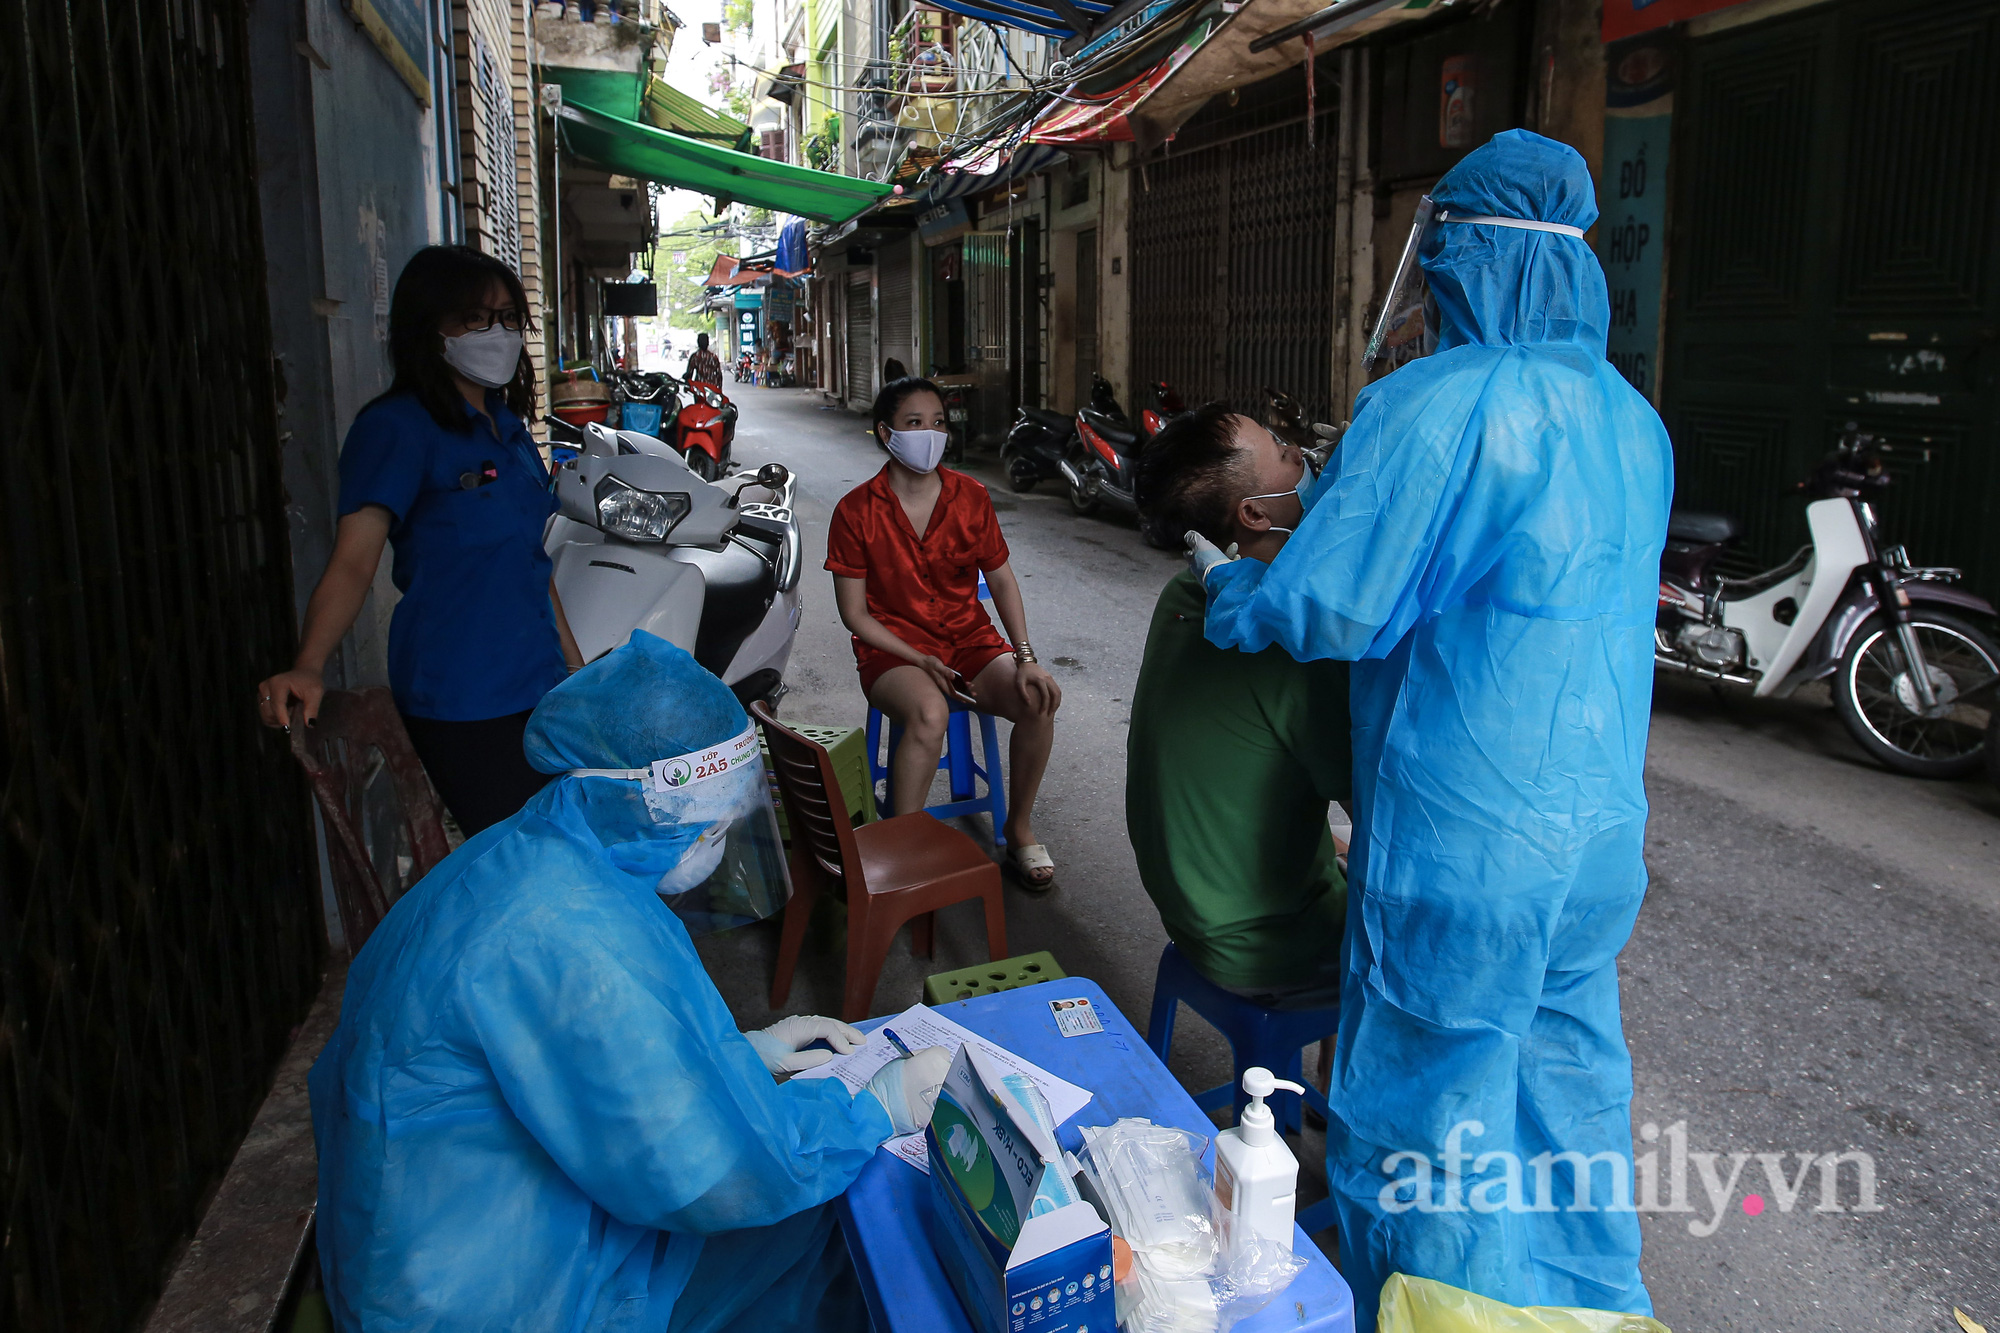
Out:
{"x": 1024, "y": 1251}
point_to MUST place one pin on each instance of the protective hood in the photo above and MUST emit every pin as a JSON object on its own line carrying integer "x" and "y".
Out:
{"x": 1487, "y": 553}
{"x": 659, "y": 763}
{"x": 1500, "y": 286}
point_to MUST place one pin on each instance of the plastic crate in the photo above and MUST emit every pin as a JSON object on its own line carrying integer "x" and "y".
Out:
{"x": 850, "y": 768}
{"x": 1030, "y": 969}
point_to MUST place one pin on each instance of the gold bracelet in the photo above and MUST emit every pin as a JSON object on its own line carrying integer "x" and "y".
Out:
{"x": 1024, "y": 652}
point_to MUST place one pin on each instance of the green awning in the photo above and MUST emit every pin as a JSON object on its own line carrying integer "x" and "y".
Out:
{"x": 631, "y": 149}
{"x": 616, "y": 92}
{"x": 668, "y": 108}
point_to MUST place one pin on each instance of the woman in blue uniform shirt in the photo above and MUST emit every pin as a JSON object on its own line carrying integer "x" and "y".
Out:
{"x": 441, "y": 467}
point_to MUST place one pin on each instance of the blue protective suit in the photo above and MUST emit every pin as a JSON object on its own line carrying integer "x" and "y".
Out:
{"x": 1487, "y": 551}
{"x": 536, "y": 1112}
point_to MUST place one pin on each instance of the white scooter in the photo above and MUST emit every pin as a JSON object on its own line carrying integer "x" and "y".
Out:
{"x": 641, "y": 542}
{"x": 1909, "y": 677}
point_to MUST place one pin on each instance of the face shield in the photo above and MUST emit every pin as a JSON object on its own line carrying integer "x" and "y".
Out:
{"x": 732, "y": 870}
{"x": 1407, "y": 326}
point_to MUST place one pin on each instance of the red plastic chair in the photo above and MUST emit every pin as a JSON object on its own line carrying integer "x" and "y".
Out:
{"x": 358, "y": 737}
{"x": 887, "y": 872}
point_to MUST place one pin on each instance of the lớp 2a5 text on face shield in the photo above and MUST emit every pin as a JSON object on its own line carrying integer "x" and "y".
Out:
{"x": 733, "y": 872}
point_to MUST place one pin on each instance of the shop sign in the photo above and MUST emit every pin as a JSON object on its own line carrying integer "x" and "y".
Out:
{"x": 779, "y": 301}
{"x": 947, "y": 222}
{"x": 1628, "y": 18}
{"x": 1632, "y": 202}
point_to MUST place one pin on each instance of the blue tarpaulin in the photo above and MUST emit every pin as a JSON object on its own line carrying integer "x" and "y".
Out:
{"x": 792, "y": 256}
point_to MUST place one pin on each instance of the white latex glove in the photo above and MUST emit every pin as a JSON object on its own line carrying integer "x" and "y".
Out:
{"x": 908, "y": 1088}
{"x": 1204, "y": 555}
{"x": 781, "y": 1046}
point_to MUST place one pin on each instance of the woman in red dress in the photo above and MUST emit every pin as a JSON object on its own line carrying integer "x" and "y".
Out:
{"x": 906, "y": 549}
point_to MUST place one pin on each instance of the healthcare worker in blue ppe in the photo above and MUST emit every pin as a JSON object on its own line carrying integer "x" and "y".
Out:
{"x": 1485, "y": 548}
{"x": 536, "y": 1113}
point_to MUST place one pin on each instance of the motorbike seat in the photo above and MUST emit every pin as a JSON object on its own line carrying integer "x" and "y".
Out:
{"x": 1689, "y": 525}
{"x": 1041, "y": 416}
{"x": 1116, "y": 431}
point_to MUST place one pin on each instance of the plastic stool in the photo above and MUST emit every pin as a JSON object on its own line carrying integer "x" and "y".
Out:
{"x": 1030, "y": 969}
{"x": 956, "y": 760}
{"x": 1273, "y": 1038}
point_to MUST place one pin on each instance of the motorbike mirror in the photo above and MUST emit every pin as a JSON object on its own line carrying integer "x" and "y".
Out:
{"x": 773, "y": 475}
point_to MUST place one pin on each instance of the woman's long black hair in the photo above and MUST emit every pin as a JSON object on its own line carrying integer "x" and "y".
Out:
{"x": 441, "y": 281}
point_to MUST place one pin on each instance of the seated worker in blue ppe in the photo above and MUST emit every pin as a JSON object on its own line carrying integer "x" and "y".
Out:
{"x": 1485, "y": 549}
{"x": 1233, "y": 757}
{"x": 536, "y": 1112}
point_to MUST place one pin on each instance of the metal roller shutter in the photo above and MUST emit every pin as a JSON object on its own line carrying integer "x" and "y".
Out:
{"x": 1232, "y": 263}
{"x": 898, "y": 304}
{"x": 860, "y": 340}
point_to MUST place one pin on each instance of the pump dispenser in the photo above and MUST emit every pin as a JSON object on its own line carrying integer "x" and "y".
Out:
{"x": 1256, "y": 1176}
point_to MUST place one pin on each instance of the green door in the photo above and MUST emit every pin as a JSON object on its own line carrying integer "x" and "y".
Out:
{"x": 1835, "y": 258}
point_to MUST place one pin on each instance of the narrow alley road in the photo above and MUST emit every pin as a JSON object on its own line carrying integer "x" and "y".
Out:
{"x": 1814, "y": 971}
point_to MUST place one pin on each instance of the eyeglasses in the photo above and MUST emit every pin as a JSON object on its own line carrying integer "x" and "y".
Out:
{"x": 478, "y": 321}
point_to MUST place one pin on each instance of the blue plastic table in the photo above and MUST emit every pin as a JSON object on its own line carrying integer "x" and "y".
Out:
{"x": 885, "y": 1214}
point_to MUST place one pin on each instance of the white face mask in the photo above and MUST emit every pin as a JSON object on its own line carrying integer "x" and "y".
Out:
{"x": 918, "y": 450}
{"x": 489, "y": 358}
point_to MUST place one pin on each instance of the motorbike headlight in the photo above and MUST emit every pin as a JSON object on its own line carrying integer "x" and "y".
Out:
{"x": 636, "y": 515}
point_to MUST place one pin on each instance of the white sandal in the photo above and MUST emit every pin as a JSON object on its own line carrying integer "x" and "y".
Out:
{"x": 1027, "y": 860}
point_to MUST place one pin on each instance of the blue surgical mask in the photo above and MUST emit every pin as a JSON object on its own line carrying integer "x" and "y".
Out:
{"x": 1308, "y": 479}
{"x": 1302, "y": 489}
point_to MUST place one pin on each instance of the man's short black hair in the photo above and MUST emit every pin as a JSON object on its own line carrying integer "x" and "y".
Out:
{"x": 701, "y": 341}
{"x": 1189, "y": 476}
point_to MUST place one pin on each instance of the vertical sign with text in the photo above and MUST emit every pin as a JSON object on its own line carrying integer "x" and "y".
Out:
{"x": 1632, "y": 202}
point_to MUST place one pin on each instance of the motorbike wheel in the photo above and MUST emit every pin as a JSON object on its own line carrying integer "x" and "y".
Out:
{"x": 1021, "y": 476}
{"x": 1876, "y": 697}
{"x": 1083, "y": 501}
{"x": 701, "y": 464}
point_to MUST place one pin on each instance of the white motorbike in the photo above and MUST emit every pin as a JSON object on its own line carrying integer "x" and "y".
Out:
{"x": 641, "y": 542}
{"x": 1910, "y": 676}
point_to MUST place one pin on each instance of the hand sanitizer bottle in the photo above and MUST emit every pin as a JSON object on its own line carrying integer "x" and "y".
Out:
{"x": 1256, "y": 1176}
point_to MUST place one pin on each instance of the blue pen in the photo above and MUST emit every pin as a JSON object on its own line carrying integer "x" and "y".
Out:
{"x": 896, "y": 1041}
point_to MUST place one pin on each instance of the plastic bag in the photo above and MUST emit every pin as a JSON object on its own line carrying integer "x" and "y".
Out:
{"x": 1419, "y": 1305}
{"x": 1193, "y": 1269}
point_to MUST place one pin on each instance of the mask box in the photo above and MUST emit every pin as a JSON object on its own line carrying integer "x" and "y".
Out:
{"x": 1024, "y": 1251}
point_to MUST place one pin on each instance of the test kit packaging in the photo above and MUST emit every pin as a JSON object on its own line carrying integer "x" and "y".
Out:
{"x": 1025, "y": 1252}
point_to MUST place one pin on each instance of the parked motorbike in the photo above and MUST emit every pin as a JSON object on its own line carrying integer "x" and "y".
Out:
{"x": 1163, "y": 404}
{"x": 1890, "y": 635}
{"x": 705, "y": 430}
{"x": 957, "y": 420}
{"x": 565, "y": 441}
{"x": 1102, "y": 462}
{"x": 1037, "y": 444}
{"x": 746, "y": 369}
{"x": 1284, "y": 418}
{"x": 647, "y": 398}
{"x": 641, "y": 542}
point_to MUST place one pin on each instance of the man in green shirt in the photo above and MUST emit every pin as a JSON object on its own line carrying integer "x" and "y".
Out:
{"x": 1233, "y": 757}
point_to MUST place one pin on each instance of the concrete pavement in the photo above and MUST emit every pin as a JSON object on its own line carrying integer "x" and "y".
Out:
{"x": 1814, "y": 970}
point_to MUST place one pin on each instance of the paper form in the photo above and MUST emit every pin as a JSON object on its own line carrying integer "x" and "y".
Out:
{"x": 920, "y": 1026}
